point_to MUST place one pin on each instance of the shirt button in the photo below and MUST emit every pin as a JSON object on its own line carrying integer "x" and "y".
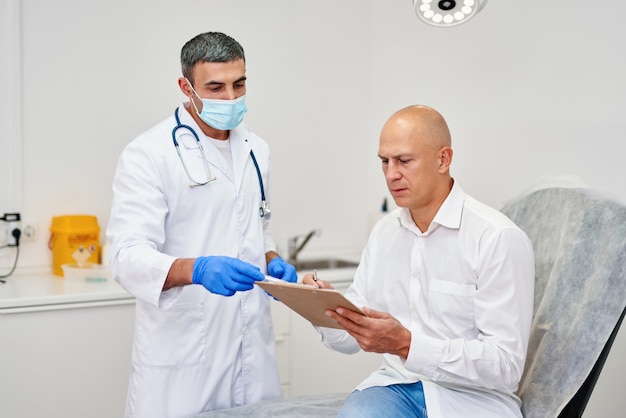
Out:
{"x": 413, "y": 308}
{"x": 414, "y": 274}
{"x": 245, "y": 331}
{"x": 420, "y": 239}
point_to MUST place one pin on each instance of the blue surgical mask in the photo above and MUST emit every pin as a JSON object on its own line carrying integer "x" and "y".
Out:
{"x": 221, "y": 114}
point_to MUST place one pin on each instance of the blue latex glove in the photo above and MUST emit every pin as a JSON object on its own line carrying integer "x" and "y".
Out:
{"x": 225, "y": 275}
{"x": 281, "y": 269}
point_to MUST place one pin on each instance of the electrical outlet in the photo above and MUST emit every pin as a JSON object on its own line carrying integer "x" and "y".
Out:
{"x": 29, "y": 232}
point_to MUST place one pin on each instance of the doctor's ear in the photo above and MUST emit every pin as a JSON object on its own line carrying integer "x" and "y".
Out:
{"x": 185, "y": 86}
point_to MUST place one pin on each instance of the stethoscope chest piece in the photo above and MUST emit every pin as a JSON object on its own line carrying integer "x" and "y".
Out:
{"x": 264, "y": 210}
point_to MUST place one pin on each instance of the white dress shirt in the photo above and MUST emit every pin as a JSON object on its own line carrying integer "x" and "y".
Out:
{"x": 464, "y": 288}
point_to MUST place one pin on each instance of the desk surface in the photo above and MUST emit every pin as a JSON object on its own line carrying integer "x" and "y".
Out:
{"x": 39, "y": 289}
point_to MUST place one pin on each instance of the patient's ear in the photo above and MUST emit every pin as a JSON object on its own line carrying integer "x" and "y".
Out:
{"x": 445, "y": 159}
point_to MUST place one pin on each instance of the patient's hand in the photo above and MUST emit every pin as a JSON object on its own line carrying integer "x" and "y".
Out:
{"x": 376, "y": 332}
{"x": 319, "y": 283}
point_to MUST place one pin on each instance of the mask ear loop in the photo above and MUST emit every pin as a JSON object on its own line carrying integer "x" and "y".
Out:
{"x": 197, "y": 95}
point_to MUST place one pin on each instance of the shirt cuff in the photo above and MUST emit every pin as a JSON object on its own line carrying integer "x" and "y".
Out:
{"x": 425, "y": 354}
{"x": 338, "y": 340}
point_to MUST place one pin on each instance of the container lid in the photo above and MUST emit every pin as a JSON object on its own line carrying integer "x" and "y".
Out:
{"x": 74, "y": 223}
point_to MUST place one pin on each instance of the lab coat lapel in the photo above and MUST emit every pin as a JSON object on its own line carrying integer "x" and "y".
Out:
{"x": 240, "y": 150}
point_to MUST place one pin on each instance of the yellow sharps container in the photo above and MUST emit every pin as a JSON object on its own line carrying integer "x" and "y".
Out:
{"x": 74, "y": 239}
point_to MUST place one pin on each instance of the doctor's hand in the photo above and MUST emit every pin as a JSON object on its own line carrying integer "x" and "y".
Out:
{"x": 225, "y": 275}
{"x": 281, "y": 269}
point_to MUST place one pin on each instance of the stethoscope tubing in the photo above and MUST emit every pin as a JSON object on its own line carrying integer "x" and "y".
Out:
{"x": 264, "y": 209}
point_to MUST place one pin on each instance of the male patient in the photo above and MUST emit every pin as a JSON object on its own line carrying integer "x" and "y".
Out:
{"x": 446, "y": 284}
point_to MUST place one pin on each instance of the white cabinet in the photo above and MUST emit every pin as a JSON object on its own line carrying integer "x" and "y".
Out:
{"x": 65, "y": 347}
{"x": 307, "y": 367}
{"x": 281, "y": 317}
{"x": 316, "y": 369}
{"x": 66, "y": 360}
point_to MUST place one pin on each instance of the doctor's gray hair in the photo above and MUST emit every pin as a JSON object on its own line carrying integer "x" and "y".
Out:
{"x": 209, "y": 47}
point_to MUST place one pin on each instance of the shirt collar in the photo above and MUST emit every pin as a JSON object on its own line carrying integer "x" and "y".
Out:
{"x": 448, "y": 215}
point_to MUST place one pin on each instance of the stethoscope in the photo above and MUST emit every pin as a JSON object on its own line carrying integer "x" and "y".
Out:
{"x": 264, "y": 209}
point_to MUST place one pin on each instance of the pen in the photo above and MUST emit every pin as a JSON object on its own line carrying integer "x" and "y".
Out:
{"x": 315, "y": 278}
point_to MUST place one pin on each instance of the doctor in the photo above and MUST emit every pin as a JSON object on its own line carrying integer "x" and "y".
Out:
{"x": 189, "y": 236}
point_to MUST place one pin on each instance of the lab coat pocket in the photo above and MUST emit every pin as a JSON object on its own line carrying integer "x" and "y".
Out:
{"x": 172, "y": 338}
{"x": 451, "y": 306}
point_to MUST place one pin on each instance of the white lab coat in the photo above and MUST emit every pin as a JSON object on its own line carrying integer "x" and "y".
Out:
{"x": 193, "y": 350}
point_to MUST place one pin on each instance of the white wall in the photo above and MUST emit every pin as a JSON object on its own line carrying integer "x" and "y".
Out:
{"x": 529, "y": 90}
{"x": 10, "y": 108}
{"x": 527, "y": 93}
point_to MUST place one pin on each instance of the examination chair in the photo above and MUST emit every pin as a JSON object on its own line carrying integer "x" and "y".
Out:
{"x": 579, "y": 241}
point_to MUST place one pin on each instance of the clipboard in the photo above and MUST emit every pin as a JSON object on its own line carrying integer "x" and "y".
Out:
{"x": 308, "y": 301}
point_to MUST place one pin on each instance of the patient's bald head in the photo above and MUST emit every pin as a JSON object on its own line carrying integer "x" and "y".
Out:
{"x": 422, "y": 123}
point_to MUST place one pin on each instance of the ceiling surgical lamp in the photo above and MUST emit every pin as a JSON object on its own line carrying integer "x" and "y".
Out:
{"x": 445, "y": 13}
